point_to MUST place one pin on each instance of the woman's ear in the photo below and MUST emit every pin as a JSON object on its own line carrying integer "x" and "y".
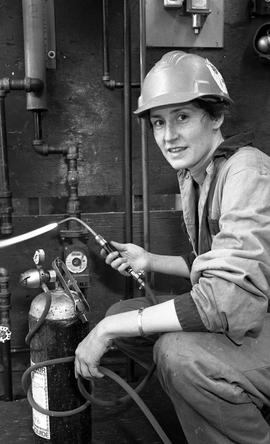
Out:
{"x": 218, "y": 121}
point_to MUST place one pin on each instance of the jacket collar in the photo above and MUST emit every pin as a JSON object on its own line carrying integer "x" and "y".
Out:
{"x": 233, "y": 143}
{"x": 228, "y": 147}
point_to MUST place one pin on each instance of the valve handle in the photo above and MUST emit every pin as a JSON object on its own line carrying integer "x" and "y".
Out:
{"x": 72, "y": 289}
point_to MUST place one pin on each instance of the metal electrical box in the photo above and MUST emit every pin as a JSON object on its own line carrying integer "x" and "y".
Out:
{"x": 172, "y": 27}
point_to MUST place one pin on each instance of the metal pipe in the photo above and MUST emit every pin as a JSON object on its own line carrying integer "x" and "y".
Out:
{"x": 34, "y": 50}
{"x": 73, "y": 203}
{"x": 6, "y": 85}
{"x": 5, "y": 193}
{"x": 5, "y": 333}
{"x": 144, "y": 148}
{"x": 127, "y": 124}
{"x": 128, "y": 154}
{"x": 27, "y": 84}
{"x": 108, "y": 82}
{"x": 38, "y": 144}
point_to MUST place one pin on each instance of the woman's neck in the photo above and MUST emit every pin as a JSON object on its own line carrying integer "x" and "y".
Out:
{"x": 198, "y": 171}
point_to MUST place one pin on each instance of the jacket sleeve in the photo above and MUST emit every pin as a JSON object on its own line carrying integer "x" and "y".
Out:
{"x": 189, "y": 259}
{"x": 231, "y": 281}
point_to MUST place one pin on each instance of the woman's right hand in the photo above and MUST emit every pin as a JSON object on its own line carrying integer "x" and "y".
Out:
{"x": 130, "y": 255}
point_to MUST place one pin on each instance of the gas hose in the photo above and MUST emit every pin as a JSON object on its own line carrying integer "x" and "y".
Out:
{"x": 131, "y": 393}
{"x": 90, "y": 398}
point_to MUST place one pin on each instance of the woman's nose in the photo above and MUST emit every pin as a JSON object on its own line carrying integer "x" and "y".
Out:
{"x": 170, "y": 132}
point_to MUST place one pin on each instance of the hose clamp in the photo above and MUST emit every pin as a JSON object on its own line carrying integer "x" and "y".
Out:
{"x": 5, "y": 334}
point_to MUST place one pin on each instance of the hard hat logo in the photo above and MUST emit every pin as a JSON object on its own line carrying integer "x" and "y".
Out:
{"x": 217, "y": 76}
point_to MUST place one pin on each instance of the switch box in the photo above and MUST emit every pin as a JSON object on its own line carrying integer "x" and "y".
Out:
{"x": 172, "y": 27}
{"x": 262, "y": 7}
{"x": 200, "y": 6}
{"x": 173, "y": 3}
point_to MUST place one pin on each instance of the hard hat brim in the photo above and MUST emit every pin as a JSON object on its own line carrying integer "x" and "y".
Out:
{"x": 175, "y": 99}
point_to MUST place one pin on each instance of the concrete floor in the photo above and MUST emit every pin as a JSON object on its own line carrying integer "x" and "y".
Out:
{"x": 121, "y": 425}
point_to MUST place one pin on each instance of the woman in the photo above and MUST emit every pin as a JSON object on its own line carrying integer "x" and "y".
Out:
{"x": 212, "y": 351}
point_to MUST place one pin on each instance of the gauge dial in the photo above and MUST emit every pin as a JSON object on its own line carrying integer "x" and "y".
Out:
{"x": 76, "y": 261}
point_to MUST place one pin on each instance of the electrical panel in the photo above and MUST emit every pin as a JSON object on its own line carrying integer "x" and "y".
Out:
{"x": 261, "y": 7}
{"x": 188, "y": 24}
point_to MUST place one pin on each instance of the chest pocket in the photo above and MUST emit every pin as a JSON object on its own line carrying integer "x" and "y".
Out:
{"x": 213, "y": 226}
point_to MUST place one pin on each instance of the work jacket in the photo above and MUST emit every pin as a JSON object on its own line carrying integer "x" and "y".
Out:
{"x": 229, "y": 230}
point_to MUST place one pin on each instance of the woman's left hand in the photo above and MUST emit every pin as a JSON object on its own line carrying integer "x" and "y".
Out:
{"x": 90, "y": 351}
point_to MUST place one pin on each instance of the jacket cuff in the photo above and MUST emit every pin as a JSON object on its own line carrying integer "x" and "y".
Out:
{"x": 189, "y": 259}
{"x": 188, "y": 314}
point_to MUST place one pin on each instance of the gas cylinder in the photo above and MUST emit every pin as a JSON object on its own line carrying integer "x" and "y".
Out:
{"x": 54, "y": 387}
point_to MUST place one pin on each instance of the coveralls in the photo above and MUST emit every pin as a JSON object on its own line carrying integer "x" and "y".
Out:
{"x": 217, "y": 370}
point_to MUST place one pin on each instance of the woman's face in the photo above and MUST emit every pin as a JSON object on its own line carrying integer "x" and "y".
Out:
{"x": 185, "y": 134}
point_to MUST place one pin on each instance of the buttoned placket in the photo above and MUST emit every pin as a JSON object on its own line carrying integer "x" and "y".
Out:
{"x": 188, "y": 206}
{"x": 198, "y": 235}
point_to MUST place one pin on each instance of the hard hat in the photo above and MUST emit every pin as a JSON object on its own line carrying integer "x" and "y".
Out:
{"x": 180, "y": 77}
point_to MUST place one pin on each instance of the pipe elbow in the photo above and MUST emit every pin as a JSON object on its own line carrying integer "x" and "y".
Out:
{"x": 3, "y": 273}
{"x": 40, "y": 147}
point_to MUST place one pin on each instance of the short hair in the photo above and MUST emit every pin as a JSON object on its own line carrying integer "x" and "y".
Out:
{"x": 215, "y": 108}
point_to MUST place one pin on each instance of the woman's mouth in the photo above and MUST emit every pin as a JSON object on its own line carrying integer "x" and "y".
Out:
{"x": 176, "y": 150}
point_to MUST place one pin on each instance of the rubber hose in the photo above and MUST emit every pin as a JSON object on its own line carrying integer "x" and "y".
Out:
{"x": 90, "y": 399}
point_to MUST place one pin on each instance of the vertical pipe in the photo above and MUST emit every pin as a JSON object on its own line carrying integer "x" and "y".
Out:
{"x": 34, "y": 49}
{"x": 106, "y": 75}
{"x": 5, "y": 194}
{"x": 144, "y": 150}
{"x": 5, "y": 333}
{"x": 127, "y": 124}
{"x": 128, "y": 154}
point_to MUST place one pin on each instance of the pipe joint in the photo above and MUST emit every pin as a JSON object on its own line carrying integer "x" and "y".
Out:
{"x": 27, "y": 84}
{"x": 5, "y": 194}
{"x": 40, "y": 147}
{"x": 73, "y": 178}
{"x": 109, "y": 83}
{"x": 73, "y": 206}
{"x": 5, "y": 84}
{"x": 33, "y": 85}
{"x": 44, "y": 149}
{"x": 72, "y": 153}
{"x": 4, "y": 278}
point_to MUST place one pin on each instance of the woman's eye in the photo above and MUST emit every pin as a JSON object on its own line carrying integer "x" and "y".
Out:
{"x": 181, "y": 117}
{"x": 157, "y": 123}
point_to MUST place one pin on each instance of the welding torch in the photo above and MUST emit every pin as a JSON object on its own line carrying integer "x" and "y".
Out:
{"x": 137, "y": 276}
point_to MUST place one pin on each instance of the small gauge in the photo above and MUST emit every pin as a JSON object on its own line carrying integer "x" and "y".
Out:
{"x": 76, "y": 261}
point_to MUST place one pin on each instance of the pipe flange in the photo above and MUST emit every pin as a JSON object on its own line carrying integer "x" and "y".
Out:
{"x": 5, "y": 334}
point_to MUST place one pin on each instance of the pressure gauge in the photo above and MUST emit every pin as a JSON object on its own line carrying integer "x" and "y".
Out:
{"x": 76, "y": 261}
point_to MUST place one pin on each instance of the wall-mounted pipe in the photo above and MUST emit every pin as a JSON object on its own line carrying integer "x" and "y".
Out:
{"x": 127, "y": 124}
{"x": 5, "y": 334}
{"x": 34, "y": 19}
{"x": 144, "y": 148}
{"x": 34, "y": 50}
{"x": 6, "y": 85}
{"x": 108, "y": 82}
{"x": 5, "y": 193}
